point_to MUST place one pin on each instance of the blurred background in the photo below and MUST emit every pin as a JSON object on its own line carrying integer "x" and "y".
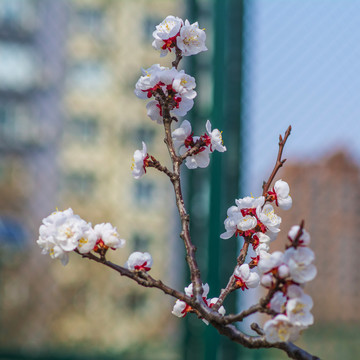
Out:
{"x": 69, "y": 124}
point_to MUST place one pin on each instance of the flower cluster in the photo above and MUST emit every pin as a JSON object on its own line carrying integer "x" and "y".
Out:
{"x": 287, "y": 273}
{"x": 174, "y": 33}
{"x": 64, "y": 231}
{"x": 255, "y": 218}
{"x": 172, "y": 94}
{"x": 283, "y": 273}
{"x": 181, "y": 308}
{"x": 184, "y": 140}
{"x": 164, "y": 84}
{"x": 139, "y": 261}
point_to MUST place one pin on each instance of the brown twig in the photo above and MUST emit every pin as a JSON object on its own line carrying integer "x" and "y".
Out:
{"x": 184, "y": 216}
{"x": 279, "y": 162}
{"x": 178, "y": 55}
{"x": 257, "y": 342}
{"x": 231, "y": 286}
{"x": 295, "y": 242}
{"x": 194, "y": 149}
{"x": 142, "y": 278}
{"x": 156, "y": 164}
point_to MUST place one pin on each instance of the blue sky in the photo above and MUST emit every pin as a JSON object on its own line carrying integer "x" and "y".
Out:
{"x": 302, "y": 67}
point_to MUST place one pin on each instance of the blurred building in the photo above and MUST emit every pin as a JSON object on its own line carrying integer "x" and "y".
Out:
{"x": 326, "y": 195}
{"x": 69, "y": 125}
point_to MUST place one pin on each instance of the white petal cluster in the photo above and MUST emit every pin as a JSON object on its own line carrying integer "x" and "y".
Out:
{"x": 189, "y": 290}
{"x": 280, "y": 329}
{"x": 109, "y": 235}
{"x": 63, "y": 232}
{"x": 174, "y": 84}
{"x": 295, "y": 264}
{"x": 180, "y": 308}
{"x": 139, "y": 261}
{"x": 165, "y": 34}
{"x": 215, "y": 138}
{"x": 184, "y": 140}
{"x": 294, "y": 314}
{"x": 300, "y": 265}
{"x": 267, "y": 216}
{"x": 146, "y": 81}
{"x": 280, "y": 194}
{"x": 304, "y": 239}
{"x": 191, "y": 40}
{"x": 138, "y": 167}
{"x": 246, "y": 278}
{"x": 173, "y": 32}
{"x": 239, "y": 219}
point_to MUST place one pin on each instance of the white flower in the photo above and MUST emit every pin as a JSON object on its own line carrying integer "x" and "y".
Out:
{"x": 248, "y": 222}
{"x": 300, "y": 264}
{"x": 294, "y": 291}
{"x": 189, "y": 290}
{"x": 87, "y": 241}
{"x": 166, "y": 33}
{"x": 154, "y": 111}
{"x": 139, "y": 162}
{"x": 267, "y": 280}
{"x": 163, "y": 77}
{"x": 281, "y": 191}
{"x": 262, "y": 250}
{"x": 250, "y": 202}
{"x": 62, "y": 232}
{"x": 216, "y": 140}
{"x": 108, "y": 234}
{"x": 280, "y": 329}
{"x": 271, "y": 261}
{"x": 184, "y": 85}
{"x": 191, "y": 40}
{"x": 268, "y": 217}
{"x": 245, "y": 278}
{"x": 283, "y": 271}
{"x": 234, "y": 216}
{"x": 212, "y": 302}
{"x": 298, "y": 310}
{"x": 304, "y": 239}
{"x": 139, "y": 261}
{"x": 180, "y": 134}
{"x": 180, "y": 308}
{"x": 200, "y": 159}
{"x": 58, "y": 253}
{"x": 278, "y": 302}
{"x": 261, "y": 239}
{"x": 146, "y": 81}
{"x": 183, "y": 105}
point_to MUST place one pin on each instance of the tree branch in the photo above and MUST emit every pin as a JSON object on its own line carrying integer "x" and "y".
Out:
{"x": 279, "y": 161}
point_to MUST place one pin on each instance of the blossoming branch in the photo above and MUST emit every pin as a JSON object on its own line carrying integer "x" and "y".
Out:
{"x": 170, "y": 93}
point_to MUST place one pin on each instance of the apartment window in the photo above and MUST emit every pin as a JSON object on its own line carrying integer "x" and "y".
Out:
{"x": 19, "y": 70}
{"x": 90, "y": 20}
{"x": 145, "y": 134}
{"x": 144, "y": 192}
{"x": 140, "y": 242}
{"x": 84, "y": 129}
{"x": 80, "y": 184}
{"x": 135, "y": 301}
{"x": 89, "y": 76}
{"x": 17, "y": 126}
{"x": 18, "y": 14}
